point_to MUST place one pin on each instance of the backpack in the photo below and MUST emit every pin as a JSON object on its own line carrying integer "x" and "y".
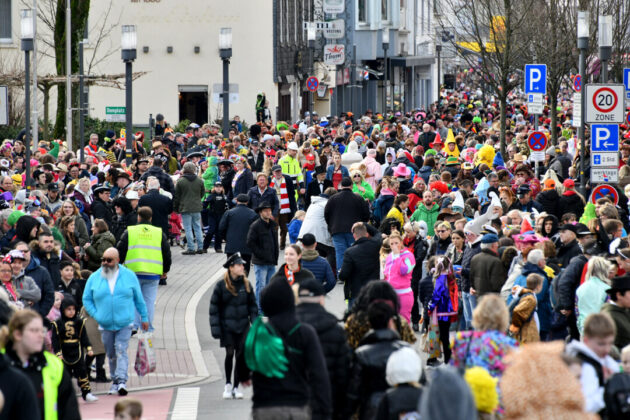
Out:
{"x": 265, "y": 349}
{"x": 515, "y": 303}
{"x": 617, "y": 396}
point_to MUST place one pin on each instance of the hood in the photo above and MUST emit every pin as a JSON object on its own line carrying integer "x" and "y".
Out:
{"x": 554, "y": 227}
{"x": 451, "y": 139}
{"x": 318, "y": 199}
{"x": 190, "y": 177}
{"x": 105, "y": 236}
{"x": 316, "y": 316}
{"x": 310, "y": 254}
{"x": 575, "y": 347}
{"x": 485, "y": 155}
{"x": 212, "y": 161}
{"x": 390, "y": 151}
{"x": 529, "y": 268}
{"x": 353, "y": 147}
{"x": 155, "y": 171}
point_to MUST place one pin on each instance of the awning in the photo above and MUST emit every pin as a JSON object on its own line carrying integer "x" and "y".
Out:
{"x": 412, "y": 61}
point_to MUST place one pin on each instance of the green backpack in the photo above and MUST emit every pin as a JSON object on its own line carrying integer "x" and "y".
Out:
{"x": 265, "y": 349}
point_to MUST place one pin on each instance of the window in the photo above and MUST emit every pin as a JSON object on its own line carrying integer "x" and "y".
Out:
{"x": 5, "y": 20}
{"x": 384, "y": 14}
{"x": 362, "y": 8}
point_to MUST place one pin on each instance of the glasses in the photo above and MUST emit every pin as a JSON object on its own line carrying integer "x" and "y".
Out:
{"x": 440, "y": 231}
{"x": 107, "y": 260}
{"x": 357, "y": 176}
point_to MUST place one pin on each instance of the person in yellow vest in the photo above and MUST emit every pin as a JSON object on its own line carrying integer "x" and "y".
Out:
{"x": 23, "y": 343}
{"x": 291, "y": 167}
{"x": 144, "y": 249}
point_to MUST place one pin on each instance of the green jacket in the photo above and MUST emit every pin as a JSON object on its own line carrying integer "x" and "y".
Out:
{"x": 100, "y": 242}
{"x": 621, "y": 316}
{"x": 210, "y": 175}
{"x": 428, "y": 215}
{"x": 188, "y": 194}
{"x": 368, "y": 194}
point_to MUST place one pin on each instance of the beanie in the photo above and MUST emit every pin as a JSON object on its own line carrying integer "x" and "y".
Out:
{"x": 13, "y": 217}
{"x": 447, "y": 397}
{"x": 277, "y": 297}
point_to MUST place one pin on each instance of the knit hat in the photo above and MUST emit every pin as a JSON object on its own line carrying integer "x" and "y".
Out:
{"x": 13, "y": 217}
{"x": 277, "y": 297}
{"x": 403, "y": 366}
{"x": 447, "y": 397}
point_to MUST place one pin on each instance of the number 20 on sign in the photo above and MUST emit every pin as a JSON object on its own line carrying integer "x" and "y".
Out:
{"x": 604, "y": 104}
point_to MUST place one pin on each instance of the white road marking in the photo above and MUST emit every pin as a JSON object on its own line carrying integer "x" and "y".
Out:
{"x": 186, "y": 404}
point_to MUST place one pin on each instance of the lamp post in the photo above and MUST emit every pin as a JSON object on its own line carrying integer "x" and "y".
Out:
{"x": 225, "y": 51}
{"x": 385, "y": 68}
{"x": 81, "y": 105}
{"x": 438, "y": 50}
{"x": 582, "y": 44}
{"x": 311, "y": 35}
{"x": 605, "y": 44}
{"x": 128, "y": 43}
{"x": 27, "y": 34}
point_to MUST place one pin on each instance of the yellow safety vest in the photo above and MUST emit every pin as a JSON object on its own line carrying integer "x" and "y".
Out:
{"x": 291, "y": 167}
{"x": 144, "y": 254}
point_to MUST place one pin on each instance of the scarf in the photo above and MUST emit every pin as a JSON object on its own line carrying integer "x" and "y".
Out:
{"x": 290, "y": 274}
{"x": 8, "y": 286}
{"x": 281, "y": 190}
{"x": 237, "y": 176}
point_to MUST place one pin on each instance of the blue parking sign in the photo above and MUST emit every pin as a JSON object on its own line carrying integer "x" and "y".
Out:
{"x": 536, "y": 78}
{"x": 626, "y": 79}
{"x": 605, "y": 137}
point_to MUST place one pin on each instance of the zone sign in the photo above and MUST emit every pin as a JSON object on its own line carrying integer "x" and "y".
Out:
{"x": 604, "y": 103}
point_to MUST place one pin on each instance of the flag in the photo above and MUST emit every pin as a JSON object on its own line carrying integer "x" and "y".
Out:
{"x": 526, "y": 226}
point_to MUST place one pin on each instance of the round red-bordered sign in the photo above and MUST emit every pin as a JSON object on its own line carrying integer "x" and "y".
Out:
{"x": 577, "y": 83}
{"x": 537, "y": 141}
{"x": 604, "y": 190}
{"x": 312, "y": 83}
{"x": 605, "y": 107}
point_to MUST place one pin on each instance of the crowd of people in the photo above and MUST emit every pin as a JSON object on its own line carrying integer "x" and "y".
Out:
{"x": 467, "y": 275}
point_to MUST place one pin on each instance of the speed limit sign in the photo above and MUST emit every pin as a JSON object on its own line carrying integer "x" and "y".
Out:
{"x": 604, "y": 103}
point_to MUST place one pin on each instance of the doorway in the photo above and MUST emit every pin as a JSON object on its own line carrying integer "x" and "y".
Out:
{"x": 193, "y": 103}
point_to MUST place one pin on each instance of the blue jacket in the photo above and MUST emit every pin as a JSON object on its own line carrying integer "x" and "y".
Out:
{"x": 320, "y": 269}
{"x": 544, "y": 299}
{"x": 294, "y": 230}
{"x": 118, "y": 310}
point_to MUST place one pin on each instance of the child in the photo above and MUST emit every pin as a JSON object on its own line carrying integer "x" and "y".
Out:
{"x": 444, "y": 302}
{"x": 295, "y": 225}
{"x": 625, "y": 359}
{"x": 402, "y": 373}
{"x": 425, "y": 291}
{"x": 55, "y": 312}
{"x": 524, "y": 325}
{"x": 597, "y": 365}
{"x": 232, "y": 309}
{"x": 69, "y": 339}
{"x": 217, "y": 204}
{"x": 70, "y": 283}
{"x": 128, "y": 409}
{"x": 175, "y": 228}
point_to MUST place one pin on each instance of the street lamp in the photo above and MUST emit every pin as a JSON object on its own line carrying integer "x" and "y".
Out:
{"x": 605, "y": 44}
{"x": 28, "y": 32}
{"x": 311, "y": 36}
{"x": 128, "y": 43}
{"x": 582, "y": 44}
{"x": 225, "y": 51}
{"x": 438, "y": 50}
{"x": 385, "y": 40}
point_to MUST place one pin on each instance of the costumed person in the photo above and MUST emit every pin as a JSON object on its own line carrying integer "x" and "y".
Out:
{"x": 260, "y": 107}
{"x": 444, "y": 302}
{"x": 398, "y": 271}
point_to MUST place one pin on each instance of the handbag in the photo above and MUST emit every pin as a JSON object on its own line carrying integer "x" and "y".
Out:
{"x": 145, "y": 355}
{"x": 432, "y": 338}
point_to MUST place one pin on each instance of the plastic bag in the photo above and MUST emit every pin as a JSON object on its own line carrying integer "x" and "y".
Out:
{"x": 432, "y": 338}
{"x": 145, "y": 356}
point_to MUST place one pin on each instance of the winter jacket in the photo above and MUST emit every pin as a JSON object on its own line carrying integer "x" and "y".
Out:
{"x": 234, "y": 226}
{"x": 23, "y": 228}
{"x": 425, "y": 173}
{"x": 74, "y": 289}
{"x": 487, "y": 273}
{"x": 523, "y": 326}
{"x": 567, "y": 283}
{"x": 229, "y": 312}
{"x": 256, "y": 165}
{"x": 226, "y": 180}
{"x": 398, "y": 269}
{"x": 360, "y": 265}
{"x": 428, "y": 215}
{"x": 313, "y": 190}
{"x": 262, "y": 240}
{"x": 288, "y": 182}
{"x": 243, "y": 184}
{"x": 210, "y": 175}
{"x": 441, "y": 299}
{"x": 85, "y": 199}
{"x": 621, "y": 317}
{"x": 589, "y": 298}
{"x": 469, "y": 252}
{"x": 19, "y": 398}
{"x": 118, "y": 310}
{"x": 367, "y": 382}
{"x": 294, "y": 230}
{"x": 268, "y": 196}
{"x": 336, "y": 351}
{"x": 216, "y": 204}
{"x": 122, "y": 222}
{"x": 298, "y": 276}
{"x": 343, "y": 210}
{"x": 397, "y": 401}
{"x": 320, "y": 268}
{"x": 381, "y": 206}
{"x": 166, "y": 182}
{"x": 315, "y": 222}
{"x": 367, "y": 194}
{"x": 567, "y": 251}
{"x": 27, "y": 290}
{"x": 570, "y": 202}
{"x": 544, "y": 300}
{"x": 550, "y": 202}
{"x": 100, "y": 210}
{"x": 100, "y": 242}
{"x": 439, "y": 246}
{"x": 161, "y": 205}
{"x": 43, "y": 280}
{"x": 529, "y": 207}
{"x": 373, "y": 172}
{"x": 188, "y": 194}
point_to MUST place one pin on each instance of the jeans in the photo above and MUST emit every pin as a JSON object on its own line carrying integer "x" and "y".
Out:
{"x": 116, "y": 343}
{"x": 263, "y": 274}
{"x": 342, "y": 241}
{"x": 469, "y": 301}
{"x": 192, "y": 223}
{"x": 149, "y": 293}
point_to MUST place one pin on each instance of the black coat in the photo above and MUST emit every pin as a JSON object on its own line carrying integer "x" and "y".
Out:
{"x": 298, "y": 277}
{"x": 567, "y": 251}
{"x": 367, "y": 382}
{"x": 262, "y": 240}
{"x": 269, "y": 196}
{"x": 162, "y": 207}
{"x": 102, "y": 210}
{"x": 332, "y": 338}
{"x": 257, "y": 166}
{"x": 122, "y": 222}
{"x": 234, "y": 226}
{"x": 343, "y": 210}
{"x": 313, "y": 190}
{"x": 570, "y": 202}
{"x": 243, "y": 184}
{"x": 45, "y": 271}
{"x": 290, "y": 192}
{"x": 469, "y": 253}
{"x": 550, "y": 202}
{"x": 398, "y": 400}
{"x": 20, "y": 400}
{"x": 361, "y": 264}
{"x": 232, "y": 313}
{"x": 166, "y": 182}
{"x": 567, "y": 283}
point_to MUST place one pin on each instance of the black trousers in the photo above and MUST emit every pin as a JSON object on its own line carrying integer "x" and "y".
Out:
{"x": 415, "y": 309}
{"x": 445, "y": 327}
{"x": 79, "y": 371}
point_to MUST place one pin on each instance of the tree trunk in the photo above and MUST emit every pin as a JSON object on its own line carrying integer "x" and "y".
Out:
{"x": 46, "y": 92}
{"x": 503, "y": 102}
{"x": 553, "y": 97}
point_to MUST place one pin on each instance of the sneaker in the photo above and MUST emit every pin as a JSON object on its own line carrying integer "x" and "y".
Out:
{"x": 113, "y": 389}
{"x": 122, "y": 389}
{"x": 89, "y": 397}
{"x": 227, "y": 392}
{"x": 236, "y": 393}
{"x": 189, "y": 252}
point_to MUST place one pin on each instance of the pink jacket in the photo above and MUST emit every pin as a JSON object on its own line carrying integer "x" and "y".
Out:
{"x": 398, "y": 271}
{"x": 373, "y": 172}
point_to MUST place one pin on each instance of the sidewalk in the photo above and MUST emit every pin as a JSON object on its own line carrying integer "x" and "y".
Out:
{"x": 174, "y": 333}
